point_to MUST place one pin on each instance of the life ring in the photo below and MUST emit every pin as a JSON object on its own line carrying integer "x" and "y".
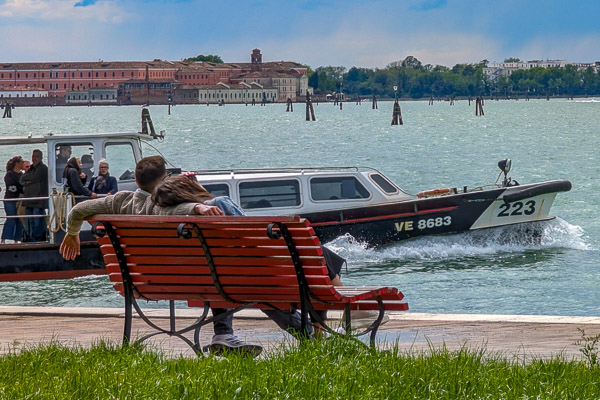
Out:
{"x": 433, "y": 192}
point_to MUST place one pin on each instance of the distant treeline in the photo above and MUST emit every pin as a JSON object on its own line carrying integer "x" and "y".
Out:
{"x": 415, "y": 80}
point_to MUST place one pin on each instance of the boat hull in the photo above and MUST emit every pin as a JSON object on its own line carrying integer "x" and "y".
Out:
{"x": 382, "y": 224}
{"x": 376, "y": 225}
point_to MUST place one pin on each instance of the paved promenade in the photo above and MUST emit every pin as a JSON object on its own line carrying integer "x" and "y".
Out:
{"x": 512, "y": 335}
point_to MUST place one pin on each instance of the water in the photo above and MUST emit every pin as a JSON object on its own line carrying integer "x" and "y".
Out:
{"x": 495, "y": 271}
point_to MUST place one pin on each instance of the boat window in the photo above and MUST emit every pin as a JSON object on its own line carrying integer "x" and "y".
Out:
{"x": 217, "y": 189}
{"x": 121, "y": 161}
{"x": 63, "y": 153}
{"x": 383, "y": 183}
{"x": 337, "y": 188}
{"x": 284, "y": 193}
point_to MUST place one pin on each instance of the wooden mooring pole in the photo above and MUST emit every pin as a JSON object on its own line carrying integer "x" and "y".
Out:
{"x": 290, "y": 105}
{"x": 479, "y": 106}
{"x": 310, "y": 111}
{"x": 374, "y": 102}
{"x": 397, "y": 114}
{"x": 7, "y": 110}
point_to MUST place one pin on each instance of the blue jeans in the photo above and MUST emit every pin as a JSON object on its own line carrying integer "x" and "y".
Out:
{"x": 36, "y": 227}
{"x": 228, "y": 206}
{"x": 13, "y": 229}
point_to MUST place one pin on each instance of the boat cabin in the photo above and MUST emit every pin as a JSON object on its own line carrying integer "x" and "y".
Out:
{"x": 299, "y": 191}
{"x": 121, "y": 150}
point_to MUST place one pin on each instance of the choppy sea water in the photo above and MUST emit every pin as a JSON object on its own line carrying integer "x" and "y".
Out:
{"x": 496, "y": 271}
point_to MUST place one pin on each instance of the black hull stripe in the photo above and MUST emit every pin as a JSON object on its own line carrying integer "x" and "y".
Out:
{"x": 383, "y": 217}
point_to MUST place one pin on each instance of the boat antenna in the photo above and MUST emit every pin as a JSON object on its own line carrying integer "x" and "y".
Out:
{"x": 161, "y": 154}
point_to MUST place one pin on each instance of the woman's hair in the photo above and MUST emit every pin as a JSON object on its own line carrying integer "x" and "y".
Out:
{"x": 179, "y": 189}
{"x": 103, "y": 161}
{"x": 72, "y": 163}
{"x": 10, "y": 165}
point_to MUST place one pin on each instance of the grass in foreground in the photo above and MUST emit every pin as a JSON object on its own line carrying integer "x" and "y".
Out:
{"x": 332, "y": 369}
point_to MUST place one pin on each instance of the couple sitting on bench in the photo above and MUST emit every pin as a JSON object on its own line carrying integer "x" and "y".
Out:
{"x": 181, "y": 195}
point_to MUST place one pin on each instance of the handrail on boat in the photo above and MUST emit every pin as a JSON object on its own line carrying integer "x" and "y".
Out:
{"x": 282, "y": 169}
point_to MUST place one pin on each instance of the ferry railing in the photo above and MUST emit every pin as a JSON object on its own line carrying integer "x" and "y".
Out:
{"x": 58, "y": 204}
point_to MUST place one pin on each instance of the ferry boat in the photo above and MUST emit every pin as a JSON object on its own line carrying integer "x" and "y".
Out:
{"x": 359, "y": 201}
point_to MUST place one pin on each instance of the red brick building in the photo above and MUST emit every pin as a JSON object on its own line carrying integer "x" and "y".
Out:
{"x": 155, "y": 81}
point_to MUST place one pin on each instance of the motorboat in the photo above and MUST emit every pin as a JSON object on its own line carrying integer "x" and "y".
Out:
{"x": 359, "y": 201}
{"x": 364, "y": 203}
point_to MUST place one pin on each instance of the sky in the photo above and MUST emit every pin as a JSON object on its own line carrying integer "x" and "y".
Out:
{"x": 360, "y": 33}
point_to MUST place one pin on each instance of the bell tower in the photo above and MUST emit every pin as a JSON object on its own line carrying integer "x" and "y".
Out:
{"x": 256, "y": 59}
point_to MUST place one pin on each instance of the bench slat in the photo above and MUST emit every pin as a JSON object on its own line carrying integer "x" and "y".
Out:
{"x": 218, "y": 251}
{"x": 219, "y": 261}
{"x": 221, "y": 270}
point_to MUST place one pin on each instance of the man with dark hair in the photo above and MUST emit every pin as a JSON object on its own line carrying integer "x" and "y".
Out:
{"x": 35, "y": 184}
{"x": 64, "y": 154}
{"x": 149, "y": 172}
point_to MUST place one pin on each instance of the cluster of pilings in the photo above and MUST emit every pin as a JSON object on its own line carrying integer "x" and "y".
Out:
{"x": 7, "y": 110}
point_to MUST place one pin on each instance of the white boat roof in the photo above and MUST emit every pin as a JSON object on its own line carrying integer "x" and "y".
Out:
{"x": 15, "y": 140}
{"x": 257, "y": 173}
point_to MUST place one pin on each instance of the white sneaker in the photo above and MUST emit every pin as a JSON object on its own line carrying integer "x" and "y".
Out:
{"x": 364, "y": 318}
{"x": 230, "y": 343}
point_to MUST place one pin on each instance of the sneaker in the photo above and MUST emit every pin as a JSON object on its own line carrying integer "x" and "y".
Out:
{"x": 364, "y": 318}
{"x": 230, "y": 343}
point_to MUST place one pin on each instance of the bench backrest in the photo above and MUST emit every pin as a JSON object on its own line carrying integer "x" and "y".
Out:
{"x": 172, "y": 258}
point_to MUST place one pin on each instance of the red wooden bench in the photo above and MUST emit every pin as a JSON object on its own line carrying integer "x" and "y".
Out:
{"x": 227, "y": 262}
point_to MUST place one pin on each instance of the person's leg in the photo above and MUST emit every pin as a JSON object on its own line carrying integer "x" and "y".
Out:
{"x": 39, "y": 225}
{"x": 8, "y": 232}
{"x": 29, "y": 224}
{"x": 224, "y": 340}
{"x": 289, "y": 321}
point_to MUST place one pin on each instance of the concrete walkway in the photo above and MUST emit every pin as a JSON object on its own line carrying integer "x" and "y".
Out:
{"x": 513, "y": 335}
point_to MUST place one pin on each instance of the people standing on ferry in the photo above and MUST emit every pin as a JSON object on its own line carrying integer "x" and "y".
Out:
{"x": 13, "y": 229}
{"x": 64, "y": 153}
{"x": 35, "y": 184}
{"x": 103, "y": 183}
{"x": 74, "y": 179}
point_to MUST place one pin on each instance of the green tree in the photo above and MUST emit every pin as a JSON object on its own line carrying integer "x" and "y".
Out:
{"x": 512, "y": 60}
{"x": 210, "y": 58}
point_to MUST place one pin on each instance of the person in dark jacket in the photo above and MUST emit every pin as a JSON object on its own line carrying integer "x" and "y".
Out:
{"x": 74, "y": 179}
{"x": 13, "y": 229}
{"x": 35, "y": 184}
{"x": 103, "y": 183}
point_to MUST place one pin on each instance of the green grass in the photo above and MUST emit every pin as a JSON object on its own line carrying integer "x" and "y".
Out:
{"x": 332, "y": 369}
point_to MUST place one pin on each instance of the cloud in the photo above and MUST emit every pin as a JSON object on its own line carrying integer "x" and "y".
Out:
{"x": 28, "y": 11}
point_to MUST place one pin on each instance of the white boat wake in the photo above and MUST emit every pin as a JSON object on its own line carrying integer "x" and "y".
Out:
{"x": 556, "y": 233}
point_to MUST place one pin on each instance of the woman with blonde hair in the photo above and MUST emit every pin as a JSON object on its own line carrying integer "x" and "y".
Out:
{"x": 103, "y": 183}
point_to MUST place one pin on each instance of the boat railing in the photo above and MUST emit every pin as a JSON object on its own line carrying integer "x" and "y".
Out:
{"x": 54, "y": 214}
{"x": 234, "y": 171}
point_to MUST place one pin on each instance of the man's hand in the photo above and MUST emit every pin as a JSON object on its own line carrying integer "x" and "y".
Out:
{"x": 70, "y": 247}
{"x": 203, "y": 209}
